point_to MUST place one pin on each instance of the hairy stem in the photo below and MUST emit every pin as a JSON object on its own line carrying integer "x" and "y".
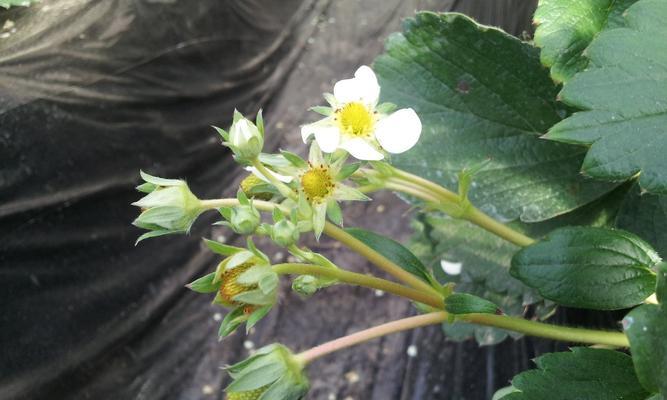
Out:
{"x": 369, "y": 334}
{"x": 471, "y": 213}
{"x": 567, "y": 334}
{"x": 540, "y": 329}
{"x": 360, "y": 280}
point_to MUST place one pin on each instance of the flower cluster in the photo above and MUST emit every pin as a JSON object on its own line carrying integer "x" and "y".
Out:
{"x": 303, "y": 196}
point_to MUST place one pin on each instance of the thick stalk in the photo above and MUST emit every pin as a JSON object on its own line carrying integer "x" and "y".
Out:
{"x": 369, "y": 334}
{"x": 360, "y": 280}
{"x": 378, "y": 259}
{"x": 567, "y": 334}
{"x": 562, "y": 333}
{"x": 471, "y": 213}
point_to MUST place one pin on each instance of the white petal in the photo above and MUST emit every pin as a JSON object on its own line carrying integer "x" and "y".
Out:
{"x": 327, "y": 137}
{"x": 281, "y": 178}
{"x": 361, "y": 149}
{"x": 450, "y": 267}
{"x": 400, "y": 131}
{"x": 363, "y": 87}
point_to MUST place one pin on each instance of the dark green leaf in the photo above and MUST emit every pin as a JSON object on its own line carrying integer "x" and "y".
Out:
{"x": 646, "y": 328}
{"x": 483, "y": 94}
{"x": 624, "y": 92}
{"x": 566, "y": 27}
{"x": 646, "y": 216}
{"x": 485, "y": 260}
{"x": 582, "y": 374}
{"x": 464, "y": 303}
{"x": 661, "y": 287}
{"x": 588, "y": 267}
{"x": 394, "y": 251}
{"x": 204, "y": 284}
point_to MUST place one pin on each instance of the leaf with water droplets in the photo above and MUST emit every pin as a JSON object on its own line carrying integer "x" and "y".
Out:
{"x": 483, "y": 94}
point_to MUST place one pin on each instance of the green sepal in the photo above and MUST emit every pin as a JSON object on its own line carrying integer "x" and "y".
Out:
{"x": 464, "y": 303}
{"x": 386, "y": 108}
{"x": 204, "y": 284}
{"x": 322, "y": 110}
{"x": 221, "y": 132}
{"x": 256, "y": 316}
{"x": 347, "y": 170}
{"x": 259, "y": 122}
{"x": 334, "y": 212}
{"x": 221, "y": 248}
{"x": 294, "y": 159}
{"x": 231, "y": 321}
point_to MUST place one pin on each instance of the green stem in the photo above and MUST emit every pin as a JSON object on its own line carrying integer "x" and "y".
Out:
{"x": 363, "y": 336}
{"x": 411, "y": 190}
{"x": 480, "y": 219}
{"x": 432, "y": 186}
{"x": 360, "y": 280}
{"x": 378, "y": 259}
{"x": 567, "y": 334}
{"x": 282, "y": 188}
{"x": 350, "y": 241}
{"x": 562, "y": 333}
{"x": 471, "y": 213}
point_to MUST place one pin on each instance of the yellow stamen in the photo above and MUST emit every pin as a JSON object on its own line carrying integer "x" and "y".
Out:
{"x": 247, "y": 395}
{"x": 355, "y": 119}
{"x": 317, "y": 183}
{"x": 230, "y": 287}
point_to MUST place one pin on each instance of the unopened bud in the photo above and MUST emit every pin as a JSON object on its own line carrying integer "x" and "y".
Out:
{"x": 305, "y": 285}
{"x": 249, "y": 186}
{"x": 285, "y": 233}
{"x": 245, "y": 219}
{"x": 245, "y": 139}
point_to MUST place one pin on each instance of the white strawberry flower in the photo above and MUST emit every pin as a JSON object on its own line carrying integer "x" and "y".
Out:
{"x": 356, "y": 123}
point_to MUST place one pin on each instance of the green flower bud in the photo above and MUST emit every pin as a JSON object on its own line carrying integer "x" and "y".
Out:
{"x": 245, "y": 219}
{"x": 169, "y": 206}
{"x": 285, "y": 233}
{"x": 245, "y": 139}
{"x": 273, "y": 372}
{"x": 306, "y": 285}
{"x": 252, "y": 187}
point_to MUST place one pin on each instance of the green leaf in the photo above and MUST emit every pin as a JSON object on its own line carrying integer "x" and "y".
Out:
{"x": 566, "y": 27}
{"x": 624, "y": 93}
{"x": 582, "y": 374}
{"x": 464, "y": 303}
{"x": 395, "y": 252}
{"x": 204, "y": 284}
{"x": 485, "y": 260}
{"x": 646, "y": 328}
{"x": 661, "y": 287}
{"x": 483, "y": 94}
{"x": 645, "y": 215}
{"x": 588, "y": 267}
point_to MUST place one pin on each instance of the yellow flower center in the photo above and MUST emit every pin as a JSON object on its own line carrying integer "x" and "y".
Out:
{"x": 230, "y": 287}
{"x": 317, "y": 183}
{"x": 355, "y": 119}
{"x": 247, "y": 395}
